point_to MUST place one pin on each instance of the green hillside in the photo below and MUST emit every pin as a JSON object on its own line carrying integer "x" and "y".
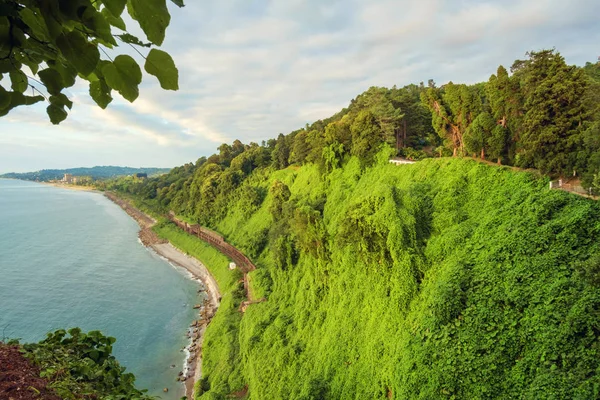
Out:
{"x": 446, "y": 278}
{"x": 449, "y": 278}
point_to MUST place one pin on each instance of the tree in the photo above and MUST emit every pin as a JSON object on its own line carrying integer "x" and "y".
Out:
{"x": 415, "y": 126}
{"x": 300, "y": 148}
{"x": 367, "y": 136}
{"x": 46, "y": 44}
{"x": 377, "y": 101}
{"x": 453, "y": 108}
{"x": 281, "y": 152}
{"x": 478, "y": 136}
{"x": 554, "y": 112}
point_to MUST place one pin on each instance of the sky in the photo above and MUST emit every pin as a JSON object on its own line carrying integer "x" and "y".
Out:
{"x": 250, "y": 70}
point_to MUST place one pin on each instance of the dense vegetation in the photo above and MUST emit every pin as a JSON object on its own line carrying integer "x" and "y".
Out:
{"x": 448, "y": 278}
{"x": 99, "y": 172}
{"x": 546, "y": 115}
{"x": 80, "y": 366}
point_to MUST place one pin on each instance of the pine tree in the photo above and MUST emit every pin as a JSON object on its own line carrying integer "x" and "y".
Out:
{"x": 553, "y": 111}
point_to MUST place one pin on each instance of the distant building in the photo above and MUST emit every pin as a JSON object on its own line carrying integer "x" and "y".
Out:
{"x": 399, "y": 161}
{"x": 69, "y": 178}
{"x": 141, "y": 175}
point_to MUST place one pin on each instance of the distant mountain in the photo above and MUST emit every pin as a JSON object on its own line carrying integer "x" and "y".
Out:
{"x": 99, "y": 172}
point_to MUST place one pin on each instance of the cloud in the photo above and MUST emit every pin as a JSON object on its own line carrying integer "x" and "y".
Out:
{"x": 252, "y": 69}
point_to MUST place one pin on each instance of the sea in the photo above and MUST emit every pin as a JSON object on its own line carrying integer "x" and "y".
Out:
{"x": 72, "y": 258}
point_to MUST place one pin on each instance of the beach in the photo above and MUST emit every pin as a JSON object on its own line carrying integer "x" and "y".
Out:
{"x": 193, "y": 369}
{"x": 72, "y": 187}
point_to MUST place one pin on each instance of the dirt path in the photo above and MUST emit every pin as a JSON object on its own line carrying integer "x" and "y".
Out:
{"x": 19, "y": 378}
{"x": 207, "y": 310}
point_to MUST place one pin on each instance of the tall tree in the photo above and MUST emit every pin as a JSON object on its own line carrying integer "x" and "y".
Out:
{"x": 479, "y": 135}
{"x": 367, "y": 136}
{"x": 553, "y": 111}
{"x": 378, "y": 101}
{"x": 453, "y": 108}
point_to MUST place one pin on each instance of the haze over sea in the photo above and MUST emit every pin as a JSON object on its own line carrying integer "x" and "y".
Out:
{"x": 71, "y": 258}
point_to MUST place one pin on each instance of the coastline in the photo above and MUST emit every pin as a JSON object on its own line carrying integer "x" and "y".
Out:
{"x": 72, "y": 187}
{"x": 193, "y": 364}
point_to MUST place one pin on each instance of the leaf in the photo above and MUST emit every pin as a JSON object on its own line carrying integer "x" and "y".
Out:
{"x": 8, "y": 65}
{"x": 161, "y": 65}
{"x": 61, "y": 100}
{"x": 97, "y": 23}
{"x": 128, "y": 38}
{"x": 56, "y": 113}
{"x": 179, "y": 3}
{"x": 15, "y": 99}
{"x": 19, "y": 81}
{"x": 67, "y": 72}
{"x": 115, "y": 7}
{"x": 100, "y": 92}
{"x": 52, "y": 80}
{"x": 153, "y": 17}
{"x": 4, "y": 36}
{"x": 124, "y": 75}
{"x": 114, "y": 21}
{"x": 49, "y": 10}
{"x": 4, "y": 98}
{"x": 35, "y": 22}
{"x": 75, "y": 48}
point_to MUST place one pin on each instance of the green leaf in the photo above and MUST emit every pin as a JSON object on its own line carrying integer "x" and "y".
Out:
{"x": 179, "y": 3}
{"x": 161, "y": 65}
{"x": 9, "y": 65}
{"x": 100, "y": 92}
{"x": 114, "y": 21}
{"x": 153, "y": 17}
{"x": 19, "y": 81}
{"x": 67, "y": 72}
{"x": 97, "y": 23}
{"x": 61, "y": 100}
{"x": 4, "y": 98}
{"x": 124, "y": 75}
{"x": 128, "y": 38}
{"x": 49, "y": 10}
{"x": 78, "y": 51}
{"x": 37, "y": 26}
{"x": 4, "y": 36}
{"x": 52, "y": 80}
{"x": 56, "y": 113}
{"x": 15, "y": 99}
{"x": 115, "y": 7}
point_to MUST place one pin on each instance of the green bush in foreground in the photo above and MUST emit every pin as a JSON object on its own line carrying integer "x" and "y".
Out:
{"x": 80, "y": 366}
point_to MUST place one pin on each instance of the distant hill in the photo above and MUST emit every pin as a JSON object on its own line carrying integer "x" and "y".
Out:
{"x": 99, "y": 172}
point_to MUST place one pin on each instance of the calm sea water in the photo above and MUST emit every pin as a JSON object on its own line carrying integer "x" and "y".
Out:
{"x": 71, "y": 258}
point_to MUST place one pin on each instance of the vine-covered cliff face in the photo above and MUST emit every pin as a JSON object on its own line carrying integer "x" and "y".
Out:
{"x": 443, "y": 279}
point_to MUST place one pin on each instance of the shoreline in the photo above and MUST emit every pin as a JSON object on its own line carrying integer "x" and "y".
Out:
{"x": 91, "y": 189}
{"x": 192, "y": 371}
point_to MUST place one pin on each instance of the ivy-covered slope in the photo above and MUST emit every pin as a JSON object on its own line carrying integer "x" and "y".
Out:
{"x": 443, "y": 279}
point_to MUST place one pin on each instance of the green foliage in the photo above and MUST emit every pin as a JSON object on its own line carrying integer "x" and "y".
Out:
{"x": 80, "y": 365}
{"x": 67, "y": 38}
{"x": 441, "y": 279}
{"x": 447, "y": 278}
{"x": 554, "y": 111}
{"x": 161, "y": 65}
